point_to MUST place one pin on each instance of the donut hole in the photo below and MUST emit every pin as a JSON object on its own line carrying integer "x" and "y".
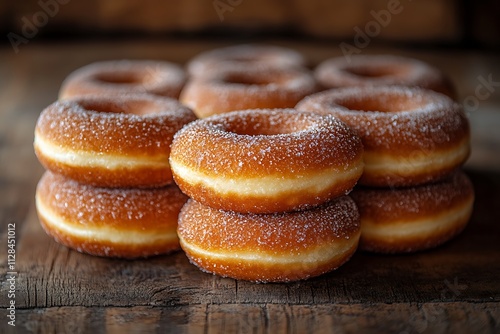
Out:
{"x": 380, "y": 102}
{"x": 372, "y": 72}
{"x": 135, "y": 107}
{"x": 245, "y": 59}
{"x": 121, "y": 78}
{"x": 251, "y": 58}
{"x": 267, "y": 126}
{"x": 240, "y": 79}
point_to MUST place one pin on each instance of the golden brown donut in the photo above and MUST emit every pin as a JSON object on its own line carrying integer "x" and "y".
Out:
{"x": 233, "y": 89}
{"x": 416, "y": 218}
{"x": 411, "y": 136}
{"x": 265, "y": 161}
{"x": 118, "y": 141}
{"x": 244, "y": 56}
{"x": 126, "y": 223}
{"x": 382, "y": 70}
{"x": 277, "y": 247}
{"x": 124, "y": 77}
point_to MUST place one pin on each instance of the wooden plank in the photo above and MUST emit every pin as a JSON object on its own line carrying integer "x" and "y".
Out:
{"x": 265, "y": 318}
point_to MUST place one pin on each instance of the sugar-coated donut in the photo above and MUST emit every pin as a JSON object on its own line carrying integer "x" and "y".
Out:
{"x": 233, "y": 89}
{"x": 377, "y": 70}
{"x": 277, "y": 247}
{"x": 415, "y": 218}
{"x": 115, "y": 141}
{"x": 124, "y": 77}
{"x": 265, "y": 161}
{"x": 127, "y": 223}
{"x": 245, "y": 55}
{"x": 410, "y": 136}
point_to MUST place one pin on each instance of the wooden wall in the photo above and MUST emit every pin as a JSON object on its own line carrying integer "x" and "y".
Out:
{"x": 449, "y": 21}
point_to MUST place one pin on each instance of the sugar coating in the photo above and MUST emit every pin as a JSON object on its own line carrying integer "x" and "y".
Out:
{"x": 376, "y": 70}
{"x": 128, "y": 208}
{"x": 276, "y": 233}
{"x": 421, "y": 119}
{"x": 425, "y": 199}
{"x": 125, "y": 124}
{"x": 125, "y": 77}
{"x": 244, "y": 55}
{"x": 266, "y": 142}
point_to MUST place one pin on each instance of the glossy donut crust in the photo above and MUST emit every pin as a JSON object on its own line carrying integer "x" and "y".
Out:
{"x": 119, "y": 141}
{"x": 125, "y": 223}
{"x": 239, "y": 88}
{"x": 124, "y": 77}
{"x": 382, "y": 70}
{"x": 265, "y": 161}
{"x": 410, "y": 136}
{"x": 411, "y": 219}
{"x": 279, "y": 247}
{"x": 244, "y": 55}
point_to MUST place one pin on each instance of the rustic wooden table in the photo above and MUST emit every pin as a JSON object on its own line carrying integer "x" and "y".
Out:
{"x": 454, "y": 288}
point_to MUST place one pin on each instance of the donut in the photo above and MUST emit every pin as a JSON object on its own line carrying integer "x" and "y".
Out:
{"x": 244, "y": 55}
{"x": 124, "y": 77}
{"x": 411, "y": 136}
{"x": 111, "y": 141}
{"x": 113, "y": 222}
{"x": 278, "y": 247}
{"x": 264, "y": 160}
{"x": 233, "y": 89}
{"x": 382, "y": 70}
{"x": 414, "y": 218}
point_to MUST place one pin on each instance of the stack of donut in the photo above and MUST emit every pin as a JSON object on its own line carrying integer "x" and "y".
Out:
{"x": 108, "y": 189}
{"x": 263, "y": 178}
{"x": 412, "y": 195}
{"x": 267, "y": 191}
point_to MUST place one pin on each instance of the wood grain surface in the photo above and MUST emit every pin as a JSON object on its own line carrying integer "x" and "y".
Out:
{"x": 454, "y": 288}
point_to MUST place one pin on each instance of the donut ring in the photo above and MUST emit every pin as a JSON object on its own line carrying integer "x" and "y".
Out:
{"x": 120, "y": 141}
{"x": 279, "y": 247}
{"x": 265, "y": 161}
{"x": 410, "y": 136}
{"x": 233, "y": 89}
{"x": 244, "y": 56}
{"x": 412, "y": 219}
{"x": 124, "y": 77}
{"x": 382, "y": 70}
{"x": 126, "y": 223}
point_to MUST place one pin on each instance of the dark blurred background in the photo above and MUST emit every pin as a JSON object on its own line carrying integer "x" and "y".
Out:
{"x": 448, "y": 23}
